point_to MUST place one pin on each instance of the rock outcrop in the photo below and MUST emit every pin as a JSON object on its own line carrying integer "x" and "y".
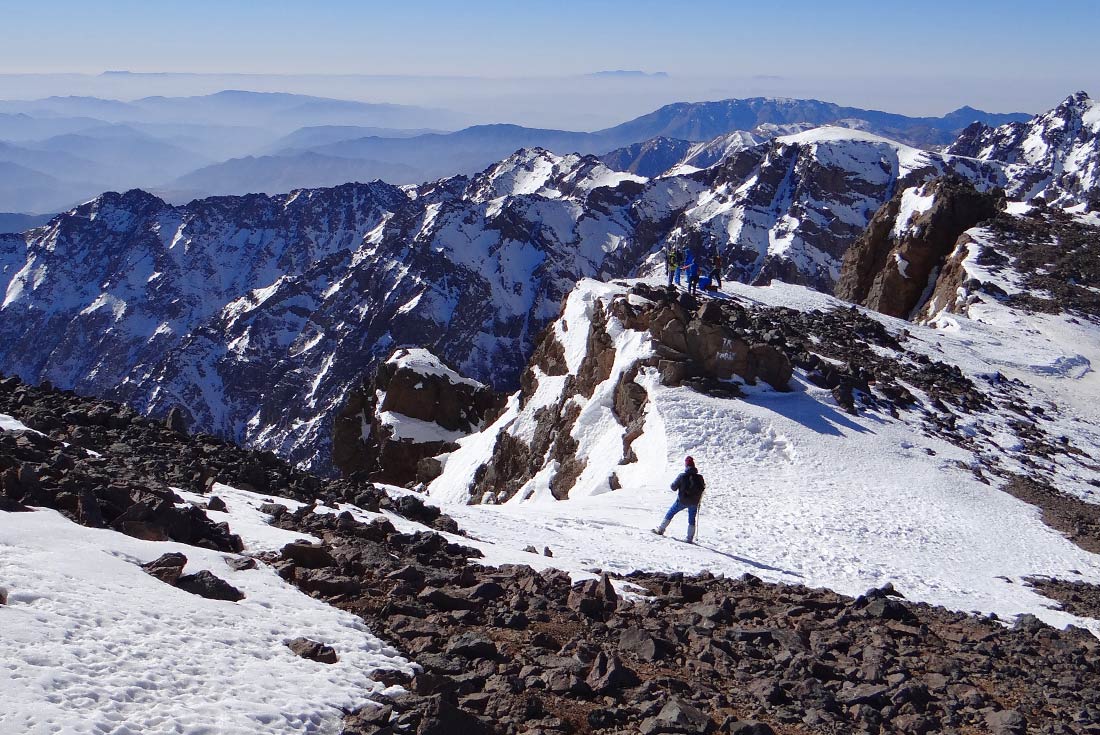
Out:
{"x": 414, "y": 408}
{"x": 893, "y": 265}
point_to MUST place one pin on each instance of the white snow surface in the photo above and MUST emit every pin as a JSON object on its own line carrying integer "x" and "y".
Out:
{"x": 798, "y": 490}
{"x": 93, "y": 644}
{"x": 423, "y": 362}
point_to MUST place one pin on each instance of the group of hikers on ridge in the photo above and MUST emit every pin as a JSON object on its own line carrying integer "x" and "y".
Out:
{"x": 678, "y": 260}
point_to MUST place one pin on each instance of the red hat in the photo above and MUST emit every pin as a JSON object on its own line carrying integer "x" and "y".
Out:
{"x": 690, "y": 461}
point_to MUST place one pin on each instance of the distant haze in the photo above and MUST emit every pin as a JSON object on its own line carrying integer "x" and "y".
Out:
{"x": 538, "y": 63}
{"x": 583, "y": 102}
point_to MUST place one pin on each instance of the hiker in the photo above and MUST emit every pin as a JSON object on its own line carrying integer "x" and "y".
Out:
{"x": 716, "y": 268}
{"x": 689, "y": 488}
{"x": 672, "y": 264}
{"x": 676, "y": 261}
{"x": 692, "y": 268}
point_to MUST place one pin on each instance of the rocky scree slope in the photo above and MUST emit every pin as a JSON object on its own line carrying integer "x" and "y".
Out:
{"x": 513, "y": 650}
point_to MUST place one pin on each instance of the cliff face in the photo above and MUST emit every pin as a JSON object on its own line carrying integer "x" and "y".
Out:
{"x": 894, "y": 264}
{"x": 414, "y": 408}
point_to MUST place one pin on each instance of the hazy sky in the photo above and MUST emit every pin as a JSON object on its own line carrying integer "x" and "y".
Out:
{"x": 1005, "y": 54}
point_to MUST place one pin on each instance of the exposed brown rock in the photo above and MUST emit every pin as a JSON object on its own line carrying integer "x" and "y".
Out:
{"x": 363, "y": 443}
{"x": 892, "y": 275}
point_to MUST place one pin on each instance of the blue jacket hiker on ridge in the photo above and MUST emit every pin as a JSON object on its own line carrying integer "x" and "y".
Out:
{"x": 689, "y": 488}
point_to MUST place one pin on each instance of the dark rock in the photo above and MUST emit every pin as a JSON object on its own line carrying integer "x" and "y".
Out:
{"x": 641, "y": 643}
{"x": 471, "y": 645}
{"x": 240, "y": 563}
{"x": 217, "y": 504}
{"x": 677, "y": 716}
{"x": 175, "y": 420}
{"x": 608, "y": 673}
{"x": 746, "y": 727}
{"x": 444, "y": 718}
{"x": 205, "y": 584}
{"x": 3, "y": 596}
{"x": 1006, "y": 722}
{"x": 308, "y": 555}
{"x": 313, "y": 650}
{"x": 167, "y": 568}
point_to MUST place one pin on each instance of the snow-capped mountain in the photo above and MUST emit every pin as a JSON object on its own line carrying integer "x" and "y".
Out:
{"x": 791, "y": 207}
{"x": 1061, "y": 146}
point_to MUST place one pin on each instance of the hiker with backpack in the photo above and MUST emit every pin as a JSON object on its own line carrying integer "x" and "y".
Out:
{"x": 689, "y": 487}
{"x": 672, "y": 264}
{"x": 692, "y": 268}
{"x": 716, "y": 268}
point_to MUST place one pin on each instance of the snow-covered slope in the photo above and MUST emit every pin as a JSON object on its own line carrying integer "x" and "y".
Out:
{"x": 790, "y": 208}
{"x": 1060, "y": 147}
{"x": 911, "y": 484}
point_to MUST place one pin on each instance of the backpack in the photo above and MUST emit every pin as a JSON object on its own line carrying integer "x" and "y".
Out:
{"x": 694, "y": 486}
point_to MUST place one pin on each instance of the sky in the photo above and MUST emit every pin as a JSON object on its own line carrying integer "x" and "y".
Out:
{"x": 1008, "y": 54}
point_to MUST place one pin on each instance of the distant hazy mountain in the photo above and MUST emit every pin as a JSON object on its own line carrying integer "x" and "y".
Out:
{"x": 318, "y": 135}
{"x": 699, "y": 121}
{"x": 277, "y": 110}
{"x": 23, "y": 188}
{"x": 274, "y": 174}
{"x": 18, "y": 222}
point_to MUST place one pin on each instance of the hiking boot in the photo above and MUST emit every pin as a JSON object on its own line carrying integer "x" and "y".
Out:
{"x": 658, "y": 531}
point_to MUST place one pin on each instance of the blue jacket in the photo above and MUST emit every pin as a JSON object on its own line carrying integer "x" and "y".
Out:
{"x": 682, "y": 486}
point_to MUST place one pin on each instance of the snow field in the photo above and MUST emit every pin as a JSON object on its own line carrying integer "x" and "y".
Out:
{"x": 800, "y": 491}
{"x": 95, "y": 645}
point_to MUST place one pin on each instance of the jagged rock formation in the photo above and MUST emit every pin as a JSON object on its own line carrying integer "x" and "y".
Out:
{"x": 895, "y": 262}
{"x": 789, "y": 209}
{"x": 1060, "y": 150}
{"x": 413, "y": 409}
{"x": 597, "y": 377}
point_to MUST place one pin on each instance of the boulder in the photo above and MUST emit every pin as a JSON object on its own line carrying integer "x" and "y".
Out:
{"x": 471, "y": 645}
{"x": 746, "y": 727}
{"x": 167, "y": 568}
{"x": 1006, "y": 722}
{"x": 308, "y": 555}
{"x": 205, "y": 584}
{"x": 677, "y": 716}
{"x": 313, "y": 650}
{"x": 444, "y": 718}
{"x": 608, "y": 674}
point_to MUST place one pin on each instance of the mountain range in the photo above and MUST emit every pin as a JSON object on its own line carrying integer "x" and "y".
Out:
{"x": 236, "y": 142}
{"x": 255, "y": 314}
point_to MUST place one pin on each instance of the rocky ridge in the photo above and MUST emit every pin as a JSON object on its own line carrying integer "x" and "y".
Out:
{"x": 1060, "y": 148}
